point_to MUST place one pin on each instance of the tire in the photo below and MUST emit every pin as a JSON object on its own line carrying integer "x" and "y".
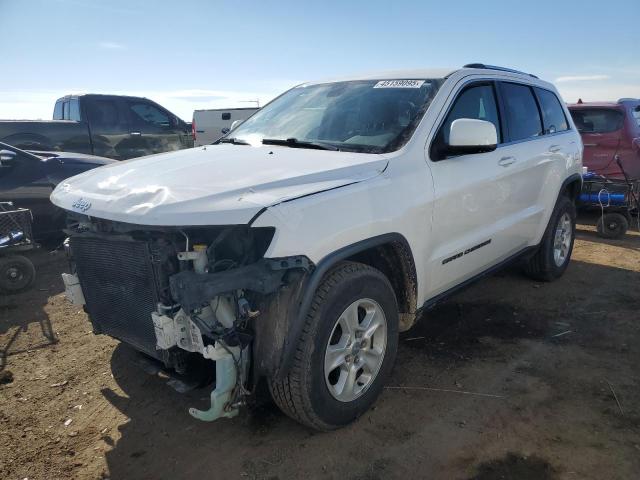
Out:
{"x": 544, "y": 265}
{"x": 612, "y": 225}
{"x": 312, "y": 394}
{"x": 17, "y": 273}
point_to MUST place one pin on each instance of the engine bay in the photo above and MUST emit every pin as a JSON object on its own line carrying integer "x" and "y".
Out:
{"x": 186, "y": 296}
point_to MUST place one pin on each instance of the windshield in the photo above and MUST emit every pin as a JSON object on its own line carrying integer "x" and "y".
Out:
{"x": 371, "y": 116}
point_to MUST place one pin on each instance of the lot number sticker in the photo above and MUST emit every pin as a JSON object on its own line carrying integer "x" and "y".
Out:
{"x": 399, "y": 84}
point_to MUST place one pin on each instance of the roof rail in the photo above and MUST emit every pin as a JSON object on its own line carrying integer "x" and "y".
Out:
{"x": 493, "y": 67}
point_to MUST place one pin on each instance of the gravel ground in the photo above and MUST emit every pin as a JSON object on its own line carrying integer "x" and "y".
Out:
{"x": 509, "y": 379}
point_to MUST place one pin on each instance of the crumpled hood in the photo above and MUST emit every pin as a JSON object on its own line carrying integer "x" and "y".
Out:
{"x": 213, "y": 185}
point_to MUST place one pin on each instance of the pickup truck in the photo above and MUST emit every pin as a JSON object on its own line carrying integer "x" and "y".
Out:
{"x": 298, "y": 246}
{"x": 112, "y": 126}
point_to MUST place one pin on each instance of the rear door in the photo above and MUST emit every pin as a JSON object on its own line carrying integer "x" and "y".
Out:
{"x": 601, "y": 130}
{"x": 533, "y": 158}
{"x": 108, "y": 126}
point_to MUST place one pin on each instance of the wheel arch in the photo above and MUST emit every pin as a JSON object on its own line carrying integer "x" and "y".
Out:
{"x": 572, "y": 186}
{"x": 390, "y": 253}
{"x": 29, "y": 141}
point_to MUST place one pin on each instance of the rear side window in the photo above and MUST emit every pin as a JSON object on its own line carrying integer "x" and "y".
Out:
{"x": 636, "y": 115}
{"x": 521, "y": 109}
{"x": 597, "y": 120}
{"x": 552, "y": 112}
{"x": 477, "y": 102}
{"x": 74, "y": 110}
{"x": 57, "y": 110}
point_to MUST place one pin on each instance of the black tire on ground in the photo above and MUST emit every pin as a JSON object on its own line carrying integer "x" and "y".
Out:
{"x": 542, "y": 266}
{"x": 17, "y": 273}
{"x": 612, "y": 225}
{"x": 303, "y": 394}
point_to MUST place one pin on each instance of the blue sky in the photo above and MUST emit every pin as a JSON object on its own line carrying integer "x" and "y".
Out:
{"x": 190, "y": 54}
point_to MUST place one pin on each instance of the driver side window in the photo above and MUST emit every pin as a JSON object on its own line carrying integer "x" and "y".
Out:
{"x": 478, "y": 103}
{"x": 146, "y": 115}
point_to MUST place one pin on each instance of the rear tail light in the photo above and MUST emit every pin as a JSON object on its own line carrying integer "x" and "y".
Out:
{"x": 193, "y": 129}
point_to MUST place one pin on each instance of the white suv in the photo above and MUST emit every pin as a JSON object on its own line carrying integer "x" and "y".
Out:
{"x": 298, "y": 246}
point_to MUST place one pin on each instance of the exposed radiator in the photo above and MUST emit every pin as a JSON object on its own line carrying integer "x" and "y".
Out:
{"x": 119, "y": 287}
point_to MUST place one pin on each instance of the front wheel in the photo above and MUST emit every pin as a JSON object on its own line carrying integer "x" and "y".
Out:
{"x": 553, "y": 254}
{"x": 346, "y": 351}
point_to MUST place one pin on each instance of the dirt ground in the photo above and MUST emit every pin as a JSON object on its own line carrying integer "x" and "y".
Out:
{"x": 510, "y": 379}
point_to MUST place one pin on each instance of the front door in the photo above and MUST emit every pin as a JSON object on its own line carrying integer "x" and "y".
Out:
{"x": 153, "y": 129}
{"x": 472, "y": 192}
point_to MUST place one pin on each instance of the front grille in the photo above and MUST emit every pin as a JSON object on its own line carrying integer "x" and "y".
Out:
{"x": 119, "y": 287}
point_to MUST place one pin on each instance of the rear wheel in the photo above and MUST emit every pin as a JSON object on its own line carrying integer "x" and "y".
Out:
{"x": 612, "y": 225}
{"x": 552, "y": 257}
{"x": 17, "y": 273}
{"x": 346, "y": 351}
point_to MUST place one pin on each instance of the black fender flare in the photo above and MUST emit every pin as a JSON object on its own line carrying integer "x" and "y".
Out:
{"x": 311, "y": 285}
{"x": 570, "y": 179}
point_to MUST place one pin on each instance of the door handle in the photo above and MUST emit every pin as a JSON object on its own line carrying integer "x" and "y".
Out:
{"x": 136, "y": 134}
{"x": 555, "y": 148}
{"x": 506, "y": 161}
{"x": 590, "y": 144}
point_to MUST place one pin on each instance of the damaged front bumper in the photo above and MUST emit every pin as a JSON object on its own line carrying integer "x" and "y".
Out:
{"x": 189, "y": 308}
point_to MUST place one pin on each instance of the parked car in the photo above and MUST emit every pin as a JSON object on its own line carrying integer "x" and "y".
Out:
{"x": 610, "y": 129}
{"x": 28, "y": 178}
{"x": 297, "y": 248}
{"x": 112, "y": 126}
{"x": 211, "y": 125}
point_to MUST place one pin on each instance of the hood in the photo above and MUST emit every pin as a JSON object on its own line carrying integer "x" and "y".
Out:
{"x": 59, "y": 166}
{"x": 71, "y": 158}
{"x": 212, "y": 185}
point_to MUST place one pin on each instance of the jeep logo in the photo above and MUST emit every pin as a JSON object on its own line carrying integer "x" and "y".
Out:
{"x": 81, "y": 204}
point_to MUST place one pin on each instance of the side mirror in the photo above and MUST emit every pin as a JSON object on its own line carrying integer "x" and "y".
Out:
{"x": 468, "y": 135}
{"x": 6, "y": 158}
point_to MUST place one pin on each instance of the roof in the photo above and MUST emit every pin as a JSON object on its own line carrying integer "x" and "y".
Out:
{"x": 594, "y": 104}
{"x": 619, "y": 105}
{"x": 67, "y": 97}
{"x": 415, "y": 74}
{"x": 420, "y": 74}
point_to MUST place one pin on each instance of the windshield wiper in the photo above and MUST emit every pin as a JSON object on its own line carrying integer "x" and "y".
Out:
{"x": 295, "y": 143}
{"x": 233, "y": 140}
